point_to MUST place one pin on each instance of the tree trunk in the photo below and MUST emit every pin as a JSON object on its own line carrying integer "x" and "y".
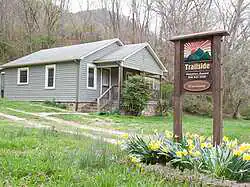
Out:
{"x": 236, "y": 114}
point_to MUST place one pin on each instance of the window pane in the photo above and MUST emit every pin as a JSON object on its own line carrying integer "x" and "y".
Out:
{"x": 23, "y": 76}
{"x": 50, "y": 77}
{"x": 91, "y": 77}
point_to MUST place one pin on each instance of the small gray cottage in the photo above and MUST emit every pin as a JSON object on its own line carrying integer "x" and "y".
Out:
{"x": 87, "y": 76}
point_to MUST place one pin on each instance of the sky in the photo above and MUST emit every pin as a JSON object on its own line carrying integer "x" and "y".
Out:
{"x": 81, "y": 5}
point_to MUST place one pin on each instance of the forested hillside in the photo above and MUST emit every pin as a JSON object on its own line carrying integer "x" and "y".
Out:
{"x": 30, "y": 25}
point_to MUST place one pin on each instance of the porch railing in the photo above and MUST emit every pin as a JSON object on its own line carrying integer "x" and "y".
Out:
{"x": 109, "y": 96}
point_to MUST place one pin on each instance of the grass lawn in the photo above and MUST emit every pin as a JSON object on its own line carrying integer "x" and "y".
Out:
{"x": 25, "y": 106}
{"x": 32, "y": 157}
{"x": 239, "y": 129}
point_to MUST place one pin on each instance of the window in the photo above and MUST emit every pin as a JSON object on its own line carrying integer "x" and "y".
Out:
{"x": 91, "y": 76}
{"x": 128, "y": 74}
{"x": 23, "y": 76}
{"x": 50, "y": 76}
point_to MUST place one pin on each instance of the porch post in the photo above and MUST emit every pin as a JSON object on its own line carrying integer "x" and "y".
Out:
{"x": 120, "y": 81}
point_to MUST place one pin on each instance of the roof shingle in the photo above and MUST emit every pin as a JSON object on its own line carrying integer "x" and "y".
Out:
{"x": 60, "y": 54}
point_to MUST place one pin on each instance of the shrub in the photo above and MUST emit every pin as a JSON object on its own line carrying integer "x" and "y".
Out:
{"x": 167, "y": 90}
{"x": 229, "y": 160}
{"x": 55, "y": 104}
{"x": 198, "y": 105}
{"x": 135, "y": 94}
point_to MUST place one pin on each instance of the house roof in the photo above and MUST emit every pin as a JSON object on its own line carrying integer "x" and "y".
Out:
{"x": 126, "y": 51}
{"x": 122, "y": 53}
{"x": 61, "y": 54}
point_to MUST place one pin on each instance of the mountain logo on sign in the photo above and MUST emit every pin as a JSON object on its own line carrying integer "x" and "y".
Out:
{"x": 198, "y": 55}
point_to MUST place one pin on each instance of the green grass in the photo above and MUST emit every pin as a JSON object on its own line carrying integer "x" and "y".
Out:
{"x": 31, "y": 157}
{"x": 25, "y": 106}
{"x": 239, "y": 129}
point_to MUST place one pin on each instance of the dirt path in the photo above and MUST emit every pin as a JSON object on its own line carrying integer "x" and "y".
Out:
{"x": 48, "y": 116}
{"x": 31, "y": 124}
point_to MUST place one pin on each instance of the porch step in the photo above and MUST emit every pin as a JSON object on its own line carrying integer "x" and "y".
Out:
{"x": 87, "y": 107}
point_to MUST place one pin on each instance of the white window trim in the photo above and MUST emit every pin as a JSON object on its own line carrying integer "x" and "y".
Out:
{"x": 95, "y": 76}
{"x": 46, "y": 77}
{"x": 18, "y": 76}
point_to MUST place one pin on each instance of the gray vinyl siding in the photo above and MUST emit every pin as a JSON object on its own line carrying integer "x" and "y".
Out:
{"x": 143, "y": 61}
{"x": 65, "y": 84}
{"x": 85, "y": 94}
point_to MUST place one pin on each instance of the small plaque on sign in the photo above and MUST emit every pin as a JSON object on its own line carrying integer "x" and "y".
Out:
{"x": 197, "y": 66}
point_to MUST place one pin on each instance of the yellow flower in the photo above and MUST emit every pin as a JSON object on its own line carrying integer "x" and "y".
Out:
{"x": 191, "y": 147}
{"x": 190, "y": 142}
{"x": 232, "y": 144}
{"x": 168, "y": 134}
{"x": 179, "y": 153}
{"x": 125, "y": 136}
{"x": 203, "y": 145}
{"x": 154, "y": 145}
{"x": 202, "y": 138}
{"x": 237, "y": 152}
{"x": 246, "y": 157}
{"x": 184, "y": 153}
{"x": 196, "y": 153}
{"x": 244, "y": 147}
{"x": 225, "y": 139}
{"x": 209, "y": 145}
{"x": 206, "y": 145}
{"x": 134, "y": 160}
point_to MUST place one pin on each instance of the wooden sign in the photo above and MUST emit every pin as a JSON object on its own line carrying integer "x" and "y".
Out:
{"x": 197, "y": 66}
{"x": 198, "y": 70}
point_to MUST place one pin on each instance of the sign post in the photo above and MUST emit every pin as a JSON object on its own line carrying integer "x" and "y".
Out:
{"x": 198, "y": 70}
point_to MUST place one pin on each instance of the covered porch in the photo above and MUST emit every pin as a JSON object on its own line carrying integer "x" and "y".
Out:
{"x": 112, "y": 77}
{"x": 128, "y": 60}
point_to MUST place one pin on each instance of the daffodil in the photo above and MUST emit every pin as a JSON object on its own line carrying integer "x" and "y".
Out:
{"x": 225, "y": 139}
{"x": 179, "y": 153}
{"x": 168, "y": 134}
{"x": 191, "y": 147}
{"x": 203, "y": 145}
{"x": 232, "y": 144}
{"x": 184, "y": 153}
{"x": 202, "y": 138}
{"x": 206, "y": 145}
{"x": 196, "y": 153}
{"x": 154, "y": 145}
{"x": 134, "y": 159}
{"x": 244, "y": 147}
{"x": 209, "y": 145}
{"x": 246, "y": 157}
{"x": 190, "y": 142}
{"x": 125, "y": 136}
{"x": 237, "y": 152}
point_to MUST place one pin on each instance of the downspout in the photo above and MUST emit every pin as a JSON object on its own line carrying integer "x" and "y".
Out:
{"x": 77, "y": 84}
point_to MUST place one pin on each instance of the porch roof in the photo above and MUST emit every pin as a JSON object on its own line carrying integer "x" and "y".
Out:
{"x": 122, "y": 53}
{"x": 126, "y": 51}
